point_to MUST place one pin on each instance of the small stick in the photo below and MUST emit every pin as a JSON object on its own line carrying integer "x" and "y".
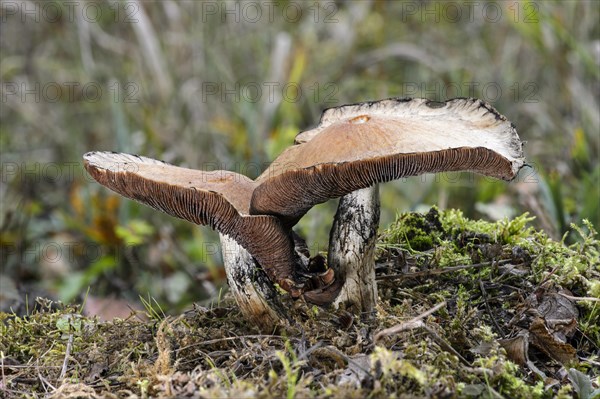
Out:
{"x": 416, "y": 323}
{"x": 590, "y": 361}
{"x": 409, "y": 324}
{"x": 63, "y": 372}
{"x": 2, "y": 367}
{"x": 436, "y": 272}
{"x": 214, "y": 341}
{"x": 45, "y": 383}
{"x": 349, "y": 360}
{"x": 489, "y": 310}
{"x": 580, "y": 298}
{"x": 445, "y": 345}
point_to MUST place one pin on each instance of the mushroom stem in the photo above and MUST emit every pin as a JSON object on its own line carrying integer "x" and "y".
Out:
{"x": 352, "y": 249}
{"x": 253, "y": 291}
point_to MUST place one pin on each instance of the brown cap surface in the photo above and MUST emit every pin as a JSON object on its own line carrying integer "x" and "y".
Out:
{"x": 356, "y": 146}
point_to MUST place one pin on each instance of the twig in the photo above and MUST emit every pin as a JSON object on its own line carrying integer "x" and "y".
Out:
{"x": 83, "y": 28}
{"x": 148, "y": 40}
{"x": 27, "y": 366}
{"x": 45, "y": 383}
{"x": 63, "y": 371}
{"x": 436, "y": 272}
{"x": 590, "y": 361}
{"x": 547, "y": 277}
{"x": 445, "y": 345}
{"x": 107, "y": 41}
{"x": 305, "y": 353}
{"x": 407, "y": 51}
{"x": 533, "y": 368}
{"x": 580, "y": 298}
{"x": 409, "y": 324}
{"x": 417, "y": 323}
{"x": 489, "y": 310}
{"x": 349, "y": 360}
{"x": 214, "y": 341}
{"x": 2, "y": 366}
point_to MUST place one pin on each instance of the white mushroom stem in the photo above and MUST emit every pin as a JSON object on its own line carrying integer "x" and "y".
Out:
{"x": 352, "y": 249}
{"x": 254, "y": 293}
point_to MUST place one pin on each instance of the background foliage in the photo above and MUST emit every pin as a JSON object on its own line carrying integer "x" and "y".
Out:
{"x": 227, "y": 85}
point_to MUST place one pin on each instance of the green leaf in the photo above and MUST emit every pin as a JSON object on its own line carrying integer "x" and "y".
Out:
{"x": 69, "y": 323}
{"x": 582, "y": 383}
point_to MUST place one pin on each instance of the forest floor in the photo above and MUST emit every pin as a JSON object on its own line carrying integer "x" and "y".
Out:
{"x": 466, "y": 309}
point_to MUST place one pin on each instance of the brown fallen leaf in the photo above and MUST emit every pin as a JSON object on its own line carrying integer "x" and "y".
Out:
{"x": 541, "y": 337}
{"x": 562, "y": 329}
{"x": 554, "y": 306}
{"x": 516, "y": 348}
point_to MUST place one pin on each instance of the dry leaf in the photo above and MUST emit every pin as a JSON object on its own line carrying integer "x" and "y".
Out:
{"x": 517, "y": 347}
{"x": 541, "y": 337}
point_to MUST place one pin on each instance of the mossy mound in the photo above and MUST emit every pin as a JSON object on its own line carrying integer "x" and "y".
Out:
{"x": 517, "y": 315}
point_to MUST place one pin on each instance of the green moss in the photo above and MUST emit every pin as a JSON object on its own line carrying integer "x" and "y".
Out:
{"x": 532, "y": 260}
{"x": 457, "y": 240}
{"x": 505, "y": 231}
{"x": 417, "y": 232}
{"x": 506, "y": 378}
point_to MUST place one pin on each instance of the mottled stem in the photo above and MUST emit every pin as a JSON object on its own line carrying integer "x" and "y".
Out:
{"x": 352, "y": 249}
{"x": 254, "y": 293}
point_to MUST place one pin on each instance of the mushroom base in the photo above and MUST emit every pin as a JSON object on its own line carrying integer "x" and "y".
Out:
{"x": 253, "y": 291}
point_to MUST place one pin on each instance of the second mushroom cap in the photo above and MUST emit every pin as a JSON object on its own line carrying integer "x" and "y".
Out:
{"x": 357, "y": 146}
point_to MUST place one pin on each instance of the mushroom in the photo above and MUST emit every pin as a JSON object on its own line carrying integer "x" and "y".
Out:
{"x": 356, "y": 146}
{"x": 221, "y": 200}
{"x": 353, "y": 148}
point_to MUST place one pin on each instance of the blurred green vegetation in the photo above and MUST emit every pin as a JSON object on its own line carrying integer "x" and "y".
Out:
{"x": 228, "y": 85}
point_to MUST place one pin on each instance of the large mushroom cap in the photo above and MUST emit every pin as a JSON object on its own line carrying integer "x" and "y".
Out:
{"x": 356, "y": 146}
{"x": 219, "y": 199}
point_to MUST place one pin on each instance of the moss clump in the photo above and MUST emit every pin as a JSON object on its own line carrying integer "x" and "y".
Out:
{"x": 506, "y": 379}
{"x": 419, "y": 232}
{"x": 491, "y": 274}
